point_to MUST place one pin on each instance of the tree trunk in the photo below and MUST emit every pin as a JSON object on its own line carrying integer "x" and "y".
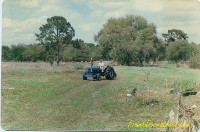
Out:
{"x": 58, "y": 62}
{"x": 58, "y": 55}
{"x": 58, "y": 50}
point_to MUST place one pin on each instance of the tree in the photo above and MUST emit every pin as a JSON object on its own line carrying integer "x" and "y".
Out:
{"x": 6, "y": 53}
{"x": 129, "y": 39}
{"x": 34, "y": 52}
{"x": 50, "y": 56}
{"x": 124, "y": 54}
{"x": 175, "y": 35}
{"x": 79, "y": 52}
{"x": 77, "y": 43}
{"x": 16, "y": 52}
{"x": 96, "y": 52}
{"x": 55, "y": 34}
{"x": 115, "y": 31}
{"x": 179, "y": 50}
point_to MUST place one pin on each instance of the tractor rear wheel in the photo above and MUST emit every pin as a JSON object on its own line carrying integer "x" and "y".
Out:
{"x": 110, "y": 73}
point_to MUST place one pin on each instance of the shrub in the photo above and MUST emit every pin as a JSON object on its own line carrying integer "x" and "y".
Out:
{"x": 179, "y": 50}
{"x": 194, "y": 61}
{"x": 79, "y": 67}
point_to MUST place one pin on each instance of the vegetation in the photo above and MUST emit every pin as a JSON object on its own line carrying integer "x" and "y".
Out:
{"x": 194, "y": 59}
{"x": 37, "y": 96}
{"x": 38, "y": 52}
{"x": 174, "y": 35}
{"x": 55, "y": 34}
{"x": 129, "y": 40}
{"x": 33, "y": 52}
{"x": 79, "y": 51}
{"x": 41, "y": 96}
{"x": 180, "y": 51}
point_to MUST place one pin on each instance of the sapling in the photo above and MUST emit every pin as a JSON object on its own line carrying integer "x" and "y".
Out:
{"x": 147, "y": 73}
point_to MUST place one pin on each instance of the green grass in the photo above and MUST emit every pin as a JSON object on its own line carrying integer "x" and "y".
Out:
{"x": 51, "y": 100}
{"x": 159, "y": 77}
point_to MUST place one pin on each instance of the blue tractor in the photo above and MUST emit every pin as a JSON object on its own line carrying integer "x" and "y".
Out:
{"x": 96, "y": 72}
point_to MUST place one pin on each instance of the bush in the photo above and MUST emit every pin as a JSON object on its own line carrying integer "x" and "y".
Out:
{"x": 179, "y": 50}
{"x": 123, "y": 54}
{"x": 79, "y": 67}
{"x": 194, "y": 62}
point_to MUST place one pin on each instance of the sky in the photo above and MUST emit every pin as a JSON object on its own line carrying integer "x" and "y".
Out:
{"x": 21, "y": 19}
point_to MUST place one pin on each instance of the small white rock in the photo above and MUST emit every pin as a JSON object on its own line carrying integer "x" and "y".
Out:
{"x": 128, "y": 95}
{"x": 194, "y": 106}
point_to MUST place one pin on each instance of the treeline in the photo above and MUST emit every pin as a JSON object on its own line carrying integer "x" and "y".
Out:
{"x": 76, "y": 50}
{"x": 129, "y": 40}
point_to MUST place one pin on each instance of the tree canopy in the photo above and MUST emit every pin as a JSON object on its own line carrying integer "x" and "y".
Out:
{"x": 174, "y": 35}
{"x": 55, "y": 34}
{"x": 129, "y": 38}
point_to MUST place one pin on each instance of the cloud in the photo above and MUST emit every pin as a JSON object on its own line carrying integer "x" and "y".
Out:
{"x": 58, "y": 10}
{"x": 36, "y": 3}
{"x": 116, "y": 14}
{"x": 22, "y": 26}
{"x": 29, "y": 3}
{"x": 78, "y": 1}
{"x": 107, "y": 4}
{"x": 86, "y": 31}
{"x": 48, "y": 8}
{"x": 89, "y": 27}
{"x": 15, "y": 31}
{"x": 22, "y": 18}
{"x": 157, "y": 5}
{"x": 97, "y": 13}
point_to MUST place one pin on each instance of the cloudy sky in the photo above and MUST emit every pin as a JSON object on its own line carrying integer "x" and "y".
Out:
{"x": 22, "y": 18}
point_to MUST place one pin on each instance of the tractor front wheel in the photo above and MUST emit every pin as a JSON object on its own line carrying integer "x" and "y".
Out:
{"x": 84, "y": 78}
{"x": 99, "y": 77}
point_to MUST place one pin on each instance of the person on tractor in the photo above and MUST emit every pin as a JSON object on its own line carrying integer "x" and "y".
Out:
{"x": 91, "y": 62}
{"x": 101, "y": 65}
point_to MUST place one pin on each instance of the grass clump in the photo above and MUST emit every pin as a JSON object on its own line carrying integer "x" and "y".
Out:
{"x": 79, "y": 67}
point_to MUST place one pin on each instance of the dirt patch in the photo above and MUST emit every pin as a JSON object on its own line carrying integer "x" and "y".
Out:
{"x": 4, "y": 87}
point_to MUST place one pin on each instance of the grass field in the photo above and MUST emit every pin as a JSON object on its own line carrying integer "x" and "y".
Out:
{"x": 39, "y": 97}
